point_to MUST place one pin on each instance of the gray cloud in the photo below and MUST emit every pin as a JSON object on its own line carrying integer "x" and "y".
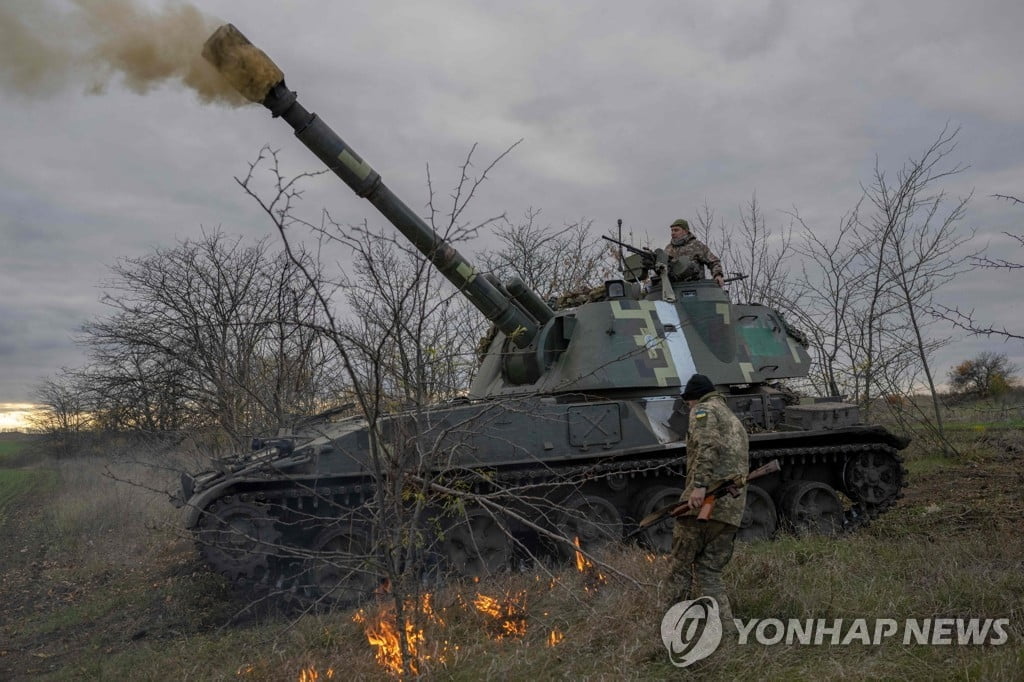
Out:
{"x": 641, "y": 111}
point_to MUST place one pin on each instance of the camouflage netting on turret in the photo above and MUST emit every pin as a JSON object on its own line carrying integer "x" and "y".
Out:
{"x": 484, "y": 344}
{"x": 578, "y": 297}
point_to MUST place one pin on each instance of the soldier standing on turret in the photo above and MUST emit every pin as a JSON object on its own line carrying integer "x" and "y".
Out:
{"x": 717, "y": 449}
{"x": 685, "y": 244}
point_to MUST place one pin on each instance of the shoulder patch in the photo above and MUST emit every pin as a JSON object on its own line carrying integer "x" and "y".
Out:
{"x": 700, "y": 413}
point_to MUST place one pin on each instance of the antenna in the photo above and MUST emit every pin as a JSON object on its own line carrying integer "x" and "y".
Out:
{"x": 622, "y": 262}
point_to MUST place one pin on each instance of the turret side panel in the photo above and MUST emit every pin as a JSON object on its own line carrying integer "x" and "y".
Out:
{"x": 617, "y": 344}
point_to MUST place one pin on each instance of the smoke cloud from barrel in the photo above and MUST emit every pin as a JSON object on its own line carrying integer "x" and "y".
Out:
{"x": 90, "y": 44}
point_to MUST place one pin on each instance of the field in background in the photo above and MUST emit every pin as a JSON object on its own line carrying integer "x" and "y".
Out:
{"x": 98, "y": 582}
{"x": 16, "y": 482}
{"x": 12, "y": 448}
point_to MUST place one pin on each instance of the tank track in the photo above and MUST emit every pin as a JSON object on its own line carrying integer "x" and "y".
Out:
{"x": 270, "y": 573}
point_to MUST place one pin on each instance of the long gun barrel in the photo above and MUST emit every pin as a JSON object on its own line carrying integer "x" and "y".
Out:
{"x": 256, "y": 77}
{"x": 646, "y": 253}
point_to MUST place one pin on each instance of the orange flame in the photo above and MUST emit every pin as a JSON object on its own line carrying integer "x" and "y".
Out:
{"x": 311, "y": 674}
{"x": 593, "y": 577}
{"x": 508, "y": 617}
{"x": 582, "y": 562}
{"x": 505, "y": 618}
{"x": 383, "y": 633}
{"x": 427, "y": 608}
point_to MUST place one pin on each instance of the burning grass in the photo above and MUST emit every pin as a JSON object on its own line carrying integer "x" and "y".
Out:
{"x": 506, "y": 611}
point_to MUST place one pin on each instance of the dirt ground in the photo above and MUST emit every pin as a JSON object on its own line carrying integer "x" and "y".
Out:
{"x": 57, "y": 608}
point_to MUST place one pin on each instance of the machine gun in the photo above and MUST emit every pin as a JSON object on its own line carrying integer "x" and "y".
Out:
{"x": 645, "y": 253}
{"x": 635, "y": 267}
{"x": 640, "y": 261}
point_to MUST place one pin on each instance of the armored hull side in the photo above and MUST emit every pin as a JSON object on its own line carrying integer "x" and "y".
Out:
{"x": 593, "y": 468}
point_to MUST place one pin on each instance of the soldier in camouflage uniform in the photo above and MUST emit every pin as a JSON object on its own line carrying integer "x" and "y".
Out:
{"x": 716, "y": 450}
{"x": 685, "y": 244}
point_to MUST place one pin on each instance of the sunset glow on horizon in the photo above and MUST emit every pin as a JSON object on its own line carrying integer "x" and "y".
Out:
{"x": 15, "y": 416}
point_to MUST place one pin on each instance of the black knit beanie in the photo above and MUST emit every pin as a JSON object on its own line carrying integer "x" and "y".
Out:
{"x": 697, "y": 387}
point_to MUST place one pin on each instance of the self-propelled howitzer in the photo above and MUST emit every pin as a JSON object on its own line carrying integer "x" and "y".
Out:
{"x": 578, "y": 406}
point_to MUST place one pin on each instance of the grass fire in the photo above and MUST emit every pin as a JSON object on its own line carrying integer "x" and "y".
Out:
{"x": 425, "y": 642}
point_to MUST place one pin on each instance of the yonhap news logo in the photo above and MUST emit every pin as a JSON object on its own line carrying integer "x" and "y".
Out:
{"x": 691, "y": 630}
{"x": 844, "y": 632}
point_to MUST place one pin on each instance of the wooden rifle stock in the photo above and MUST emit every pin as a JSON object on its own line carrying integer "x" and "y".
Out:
{"x": 730, "y": 487}
{"x": 707, "y": 506}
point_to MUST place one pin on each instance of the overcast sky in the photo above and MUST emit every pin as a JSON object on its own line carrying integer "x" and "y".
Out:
{"x": 642, "y": 110}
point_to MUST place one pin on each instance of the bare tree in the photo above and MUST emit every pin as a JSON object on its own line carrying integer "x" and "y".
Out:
{"x": 214, "y": 329}
{"x": 412, "y": 335}
{"x": 831, "y": 285}
{"x": 965, "y": 319}
{"x": 914, "y": 242}
{"x": 764, "y": 256}
{"x": 63, "y": 415}
{"x": 551, "y": 261}
{"x": 394, "y": 322}
{"x": 131, "y": 389}
{"x": 863, "y": 298}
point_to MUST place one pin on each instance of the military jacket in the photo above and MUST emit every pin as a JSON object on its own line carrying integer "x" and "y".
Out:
{"x": 717, "y": 449}
{"x": 696, "y": 251}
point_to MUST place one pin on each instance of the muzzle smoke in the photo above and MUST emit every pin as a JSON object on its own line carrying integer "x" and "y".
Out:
{"x": 46, "y": 48}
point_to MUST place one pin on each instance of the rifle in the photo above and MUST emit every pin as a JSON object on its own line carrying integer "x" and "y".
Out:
{"x": 729, "y": 487}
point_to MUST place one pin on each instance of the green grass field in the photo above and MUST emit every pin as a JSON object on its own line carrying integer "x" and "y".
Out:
{"x": 18, "y": 484}
{"x": 10, "y": 449}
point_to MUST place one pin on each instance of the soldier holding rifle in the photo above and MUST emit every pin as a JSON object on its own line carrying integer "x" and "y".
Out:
{"x": 716, "y": 450}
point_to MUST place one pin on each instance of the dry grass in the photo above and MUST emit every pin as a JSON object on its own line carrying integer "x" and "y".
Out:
{"x": 110, "y": 590}
{"x": 108, "y": 509}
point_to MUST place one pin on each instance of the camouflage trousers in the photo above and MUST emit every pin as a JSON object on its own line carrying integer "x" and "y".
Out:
{"x": 700, "y": 551}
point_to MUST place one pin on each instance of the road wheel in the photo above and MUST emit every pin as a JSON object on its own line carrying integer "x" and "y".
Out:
{"x": 812, "y": 507}
{"x": 659, "y": 536}
{"x": 760, "y": 519}
{"x": 593, "y": 519}
{"x": 343, "y": 569}
{"x": 476, "y": 544}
